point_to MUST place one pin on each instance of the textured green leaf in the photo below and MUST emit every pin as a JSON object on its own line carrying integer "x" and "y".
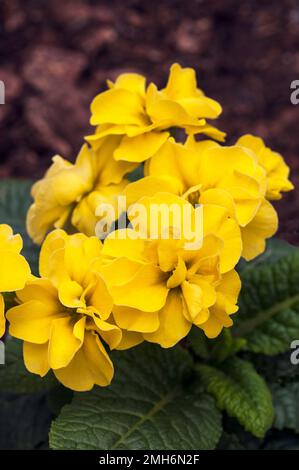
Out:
{"x": 286, "y": 406}
{"x": 13, "y": 375}
{"x": 274, "y": 368}
{"x": 198, "y": 342}
{"x": 14, "y": 202}
{"x": 217, "y": 349}
{"x": 240, "y": 391}
{"x": 269, "y": 305}
{"x": 148, "y": 406}
{"x": 225, "y": 345}
{"x": 275, "y": 249}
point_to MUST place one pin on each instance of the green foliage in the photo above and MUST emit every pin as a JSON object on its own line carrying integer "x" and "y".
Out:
{"x": 275, "y": 249}
{"x": 155, "y": 400}
{"x": 274, "y": 368}
{"x": 268, "y": 317}
{"x": 15, "y": 200}
{"x": 14, "y": 377}
{"x": 151, "y": 404}
{"x": 286, "y": 405}
{"x": 215, "y": 350}
{"x": 241, "y": 392}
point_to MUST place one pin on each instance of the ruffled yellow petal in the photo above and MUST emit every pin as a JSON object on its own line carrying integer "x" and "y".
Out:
{"x": 275, "y": 166}
{"x": 129, "y": 81}
{"x": 146, "y": 290}
{"x": 132, "y": 319}
{"x": 263, "y": 226}
{"x": 119, "y": 271}
{"x": 65, "y": 340}
{"x": 140, "y": 148}
{"x": 216, "y": 221}
{"x": 70, "y": 293}
{"x": 90, "y": 366}
{"x": 14, "y": 270}
{"x": 124, "y": 243}
{"x": 117, "y": 106}
{"x": 177, "y": 161}
{"x": 111, "y": 334}
{"x": 173, "y": 324}
{"x": 32, "y": 321}
{"x": 129, "y": 340}
{"x": 149, "y": 186}
{"x": 182, "y": 87}
{"x": 36, "y": 358}
{"x": 100, "y": 298}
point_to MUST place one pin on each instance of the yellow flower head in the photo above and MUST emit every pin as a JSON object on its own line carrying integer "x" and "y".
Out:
{"x": 160, "y": 286}
{"x": 276, "y": 169}
{"x": 207, "y": 173}
{"x": 69, "y": 193}
{"x": 64, "y": 315}
{"x": 141, "y": 115}
{"x": 14, "y": 269}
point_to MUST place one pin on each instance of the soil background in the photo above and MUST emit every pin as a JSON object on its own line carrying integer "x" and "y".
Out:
{"x": 56, "y": 55}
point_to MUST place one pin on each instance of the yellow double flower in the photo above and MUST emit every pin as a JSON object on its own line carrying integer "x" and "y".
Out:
{"x": 134, "y": 287}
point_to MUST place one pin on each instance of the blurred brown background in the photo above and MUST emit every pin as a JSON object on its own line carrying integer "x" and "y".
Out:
{"x": 55, "y": 56}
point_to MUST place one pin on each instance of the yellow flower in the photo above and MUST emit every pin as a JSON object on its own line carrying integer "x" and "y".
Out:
{"x": 68, "y": 195}
{"x": 141, "y": 115}
{"x": 64, "y": 315}
{"x": 207, "y": 173}
{"x": 14, "y": 269}
{"x": 161, "y": 286}
{"x": 273, "y": 163}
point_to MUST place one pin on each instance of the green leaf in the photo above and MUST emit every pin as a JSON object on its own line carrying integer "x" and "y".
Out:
{"x": 274, "y": 368}
{"x": 151, "y": 405}
{"x": 15, "y": 200}
{"x": 136, "y": 174}
{"x": 225, "y": 345}
{"x": 15, "y": 378}
{"x": 240, "y": 391}
{"x": 198, "y": 342}
{"x": 286, "y": 406}
{"x": 269, "y": 305}
{"x": 275, "y": 249}
{"x": 217, "y": 349}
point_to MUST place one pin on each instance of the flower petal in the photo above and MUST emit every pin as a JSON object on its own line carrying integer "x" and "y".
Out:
{"x": 117, "y": 106}
{"x": 263, "y": 226}
{"x": 129, "y": 340}
{"x": 63, "y": 344}
{"x": 145, "y": 291}
{"x": 173, "y": 324}
{"x": 36, "y": 358}
{"x": 91, "y": 365}
{"x": 14, "y": 271}
{"x": 132, "y": 319}
{"x": 140, "y": 148}
{"x": 32, "y": 321}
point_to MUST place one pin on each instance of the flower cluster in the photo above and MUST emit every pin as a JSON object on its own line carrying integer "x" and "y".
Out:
{"x": 134, "y": 286}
